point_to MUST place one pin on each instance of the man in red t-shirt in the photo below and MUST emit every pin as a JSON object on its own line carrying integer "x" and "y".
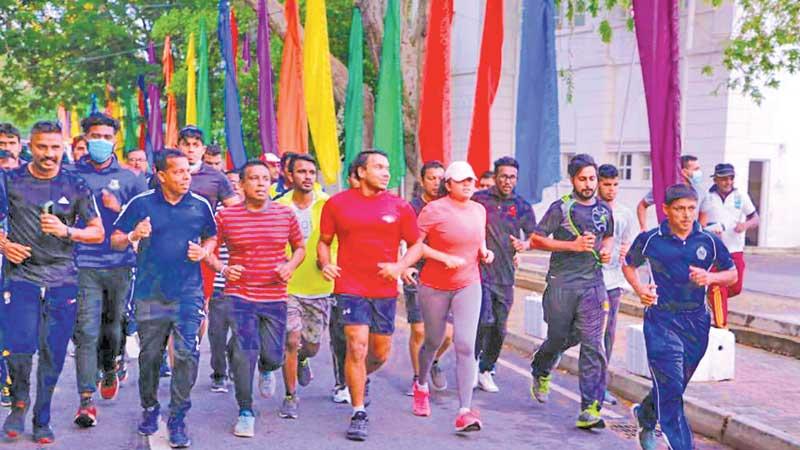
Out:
{"x": 369, "y": 223}
{"x": 256, "y": 233}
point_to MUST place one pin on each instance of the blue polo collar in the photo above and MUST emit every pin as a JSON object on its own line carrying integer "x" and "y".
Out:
{"x": 664, "y": 230}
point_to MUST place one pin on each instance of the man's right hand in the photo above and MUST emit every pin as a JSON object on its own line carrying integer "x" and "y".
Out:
{"x": 16, "y": 253}
{"x": 233, "y": 273}
{"x": 409, "y": 276}
{"x": 331, "y": 272}
{"x": 142, "y": 230}
{"x": 647, "y": 294}
{"x": 584, "y": 243}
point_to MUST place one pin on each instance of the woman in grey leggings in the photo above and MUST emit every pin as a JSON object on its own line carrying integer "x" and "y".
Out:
{"x": 454, "y": 231}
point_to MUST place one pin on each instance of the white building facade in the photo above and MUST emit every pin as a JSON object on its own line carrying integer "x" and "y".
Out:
{"x": 607, "y": 116}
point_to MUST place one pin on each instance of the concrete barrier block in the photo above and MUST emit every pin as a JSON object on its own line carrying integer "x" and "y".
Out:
{"x": 718, "y": 364}
{"x": 636, "y": 351}
{"x": 534, "y": 316}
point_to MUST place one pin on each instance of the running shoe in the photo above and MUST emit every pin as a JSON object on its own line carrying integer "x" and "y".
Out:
{"x": 245, "y": 424}
{"x": 540, "y": 388}
{"x": 289, "y": 407}
{"x": 178, "y": 437}
{"x": 422, "y": 401}
{"x": 267, "y": 383}
{"x": 647, "y": 437}
{"x": 410, "y": 391}
{"x": 5, "y": 396}
{"x": 341, "y": 394}
{"x": 43, "y": 434}
{"x": 438, "y": 379}
{"x": 14, "y": 425}
{"x": 304, "y": 374}
{"x": 149, "y": 423}
{"x": 609, "y": 399}
{"x": 468, "y": 421}
{"x": 165, "y": 371}
{"x": 486, "y": 382}
{"x": 219, "y": 385}
{"x": 590, "y": 417}
{"x": 86, "y": 417}
{"x": 122, "y": 370}
{"x": 109, "y": 388}
{"x": 358, "y": 427}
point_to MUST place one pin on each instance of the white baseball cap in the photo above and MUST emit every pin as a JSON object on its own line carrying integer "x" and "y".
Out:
{"x": 459, "y": 171}
{"x": 271, "y": 158}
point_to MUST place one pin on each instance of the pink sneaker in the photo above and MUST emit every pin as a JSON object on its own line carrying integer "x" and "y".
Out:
{"x": 468, "y": 421}
{"x": 422, "y": 401}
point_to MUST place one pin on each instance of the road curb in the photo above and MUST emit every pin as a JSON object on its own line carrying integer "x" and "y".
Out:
{"x": 767, "y": 251}
{"x": 718, "y": 424}
{"x": 774, "y": 336}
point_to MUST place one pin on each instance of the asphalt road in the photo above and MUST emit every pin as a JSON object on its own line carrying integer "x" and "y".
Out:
{"x": 511, "y": 420}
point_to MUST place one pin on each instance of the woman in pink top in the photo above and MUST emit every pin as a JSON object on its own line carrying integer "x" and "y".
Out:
{"x": 454, "y": 231}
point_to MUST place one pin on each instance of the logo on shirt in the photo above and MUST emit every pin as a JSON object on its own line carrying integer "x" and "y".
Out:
{"x": 389, "y": 218}
{"x": 702, "y": 253}
{"x": 63, "y": 201}
{"x": 113, "y": 184}
{"x": 600, "y": 219}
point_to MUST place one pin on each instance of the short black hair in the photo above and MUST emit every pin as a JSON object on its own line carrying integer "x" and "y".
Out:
{"x": 232, "y": 171}
{"x": 487, "y": 174}
{"x": 505, "y": 161}
{"x": 580, "y": 162}
{"x": 98, "y": 118}
{"x": 435, "y": 164}
{"x": 213, "y": 150}
{"x": 679, "y": 191}
{"x": 45, "y": 126}
{"x": 9, "y": 130}
{"x": 302, "y": 157}
{"x": 252, "y": 163}
{"x": 162, "y": 157}
{"x": 607, "y": 171}
{"x": 287, "y": 158}
{"x": 363, "y": 157}
{"x": 191, "y": 131}
{"x": 686, "y": 159}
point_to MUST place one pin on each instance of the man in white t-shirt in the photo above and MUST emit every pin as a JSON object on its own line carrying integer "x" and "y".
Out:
{"x": 729, "y": 213}
{"x": 625, "y": 231}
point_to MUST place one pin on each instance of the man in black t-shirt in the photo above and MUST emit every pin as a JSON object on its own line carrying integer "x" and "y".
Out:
{"x": 44, "y": 205}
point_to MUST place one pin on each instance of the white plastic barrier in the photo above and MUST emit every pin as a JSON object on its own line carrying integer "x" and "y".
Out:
{"x": 534, "y": 316}
{"x": 718, "y": 364}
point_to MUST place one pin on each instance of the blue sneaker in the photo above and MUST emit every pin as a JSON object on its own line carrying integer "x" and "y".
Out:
{"x": 14, "y": 425}
{"x": 165, "y": 371}
{"x": 647, "y": 437}
{"x": 178, "y": 437}
{"x": 149, "y": 424}
{"x": 43, "y": 434}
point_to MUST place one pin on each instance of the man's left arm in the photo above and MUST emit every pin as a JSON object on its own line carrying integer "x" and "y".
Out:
{"x": 750, "y": 212}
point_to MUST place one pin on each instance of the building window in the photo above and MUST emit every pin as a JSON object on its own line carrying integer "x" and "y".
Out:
{"x": 579, "y": 18}
{"x": 625, "y": 166}
{"x": 647, "y": 169}
{"x": 565, "y": 158}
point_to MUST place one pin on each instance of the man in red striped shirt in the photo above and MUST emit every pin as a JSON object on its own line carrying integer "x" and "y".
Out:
{"x": 256, "y": 233}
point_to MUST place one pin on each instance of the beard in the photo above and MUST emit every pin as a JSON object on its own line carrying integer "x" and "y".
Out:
{"x": 582, "y": 194}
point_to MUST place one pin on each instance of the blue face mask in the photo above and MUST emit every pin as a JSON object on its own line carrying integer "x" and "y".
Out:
{"x": 697, "y": 178}
{"x": 100, "y": 150}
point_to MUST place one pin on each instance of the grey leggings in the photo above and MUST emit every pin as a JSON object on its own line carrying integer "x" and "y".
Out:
{"x": 466, "y": 306}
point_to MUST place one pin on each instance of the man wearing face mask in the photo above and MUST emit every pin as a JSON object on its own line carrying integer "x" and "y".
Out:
{"x": 104, "y": 275}
{"x": 691, "y": 175}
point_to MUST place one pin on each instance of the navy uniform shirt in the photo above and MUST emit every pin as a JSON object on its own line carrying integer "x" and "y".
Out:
{"x": 124, "y": 185}
{"x": 670, "y": 258}
{"x": 505, "y": 217}
{"x": 209, "y": 183}
{"x": 163, "y": 271}
{"x": 565, "y": 220}
{"x": 51, "y": 263}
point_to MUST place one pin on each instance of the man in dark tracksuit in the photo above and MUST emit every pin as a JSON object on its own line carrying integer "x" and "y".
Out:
{"x": 575, "y": 302}
{"x": 40, "y": 294}
{"x": 676, "y": 320}
{"x": 507, "y": 216}
{"x": 104, "y": 275}
{"x": 175, "y": 231}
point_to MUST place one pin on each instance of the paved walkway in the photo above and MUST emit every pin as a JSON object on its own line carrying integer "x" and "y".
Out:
{"x": 766, "y": 388}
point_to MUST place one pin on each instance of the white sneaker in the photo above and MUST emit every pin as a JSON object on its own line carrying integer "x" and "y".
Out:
{"x": 341, "y": 394}
{"x": 267, "y": 384}
{"x": 486, "y": 382}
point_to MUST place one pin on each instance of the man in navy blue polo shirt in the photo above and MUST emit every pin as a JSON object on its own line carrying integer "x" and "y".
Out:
{"x": 507, "y": 217}
{"x": 46, "y": 205}
{"x": 575, "y": 302}
{"x": 175, "y": 231}
{"x": 682, "y": 258}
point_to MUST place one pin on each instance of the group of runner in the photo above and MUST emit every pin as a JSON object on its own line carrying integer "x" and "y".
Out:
{"x": 95, "y": 250}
